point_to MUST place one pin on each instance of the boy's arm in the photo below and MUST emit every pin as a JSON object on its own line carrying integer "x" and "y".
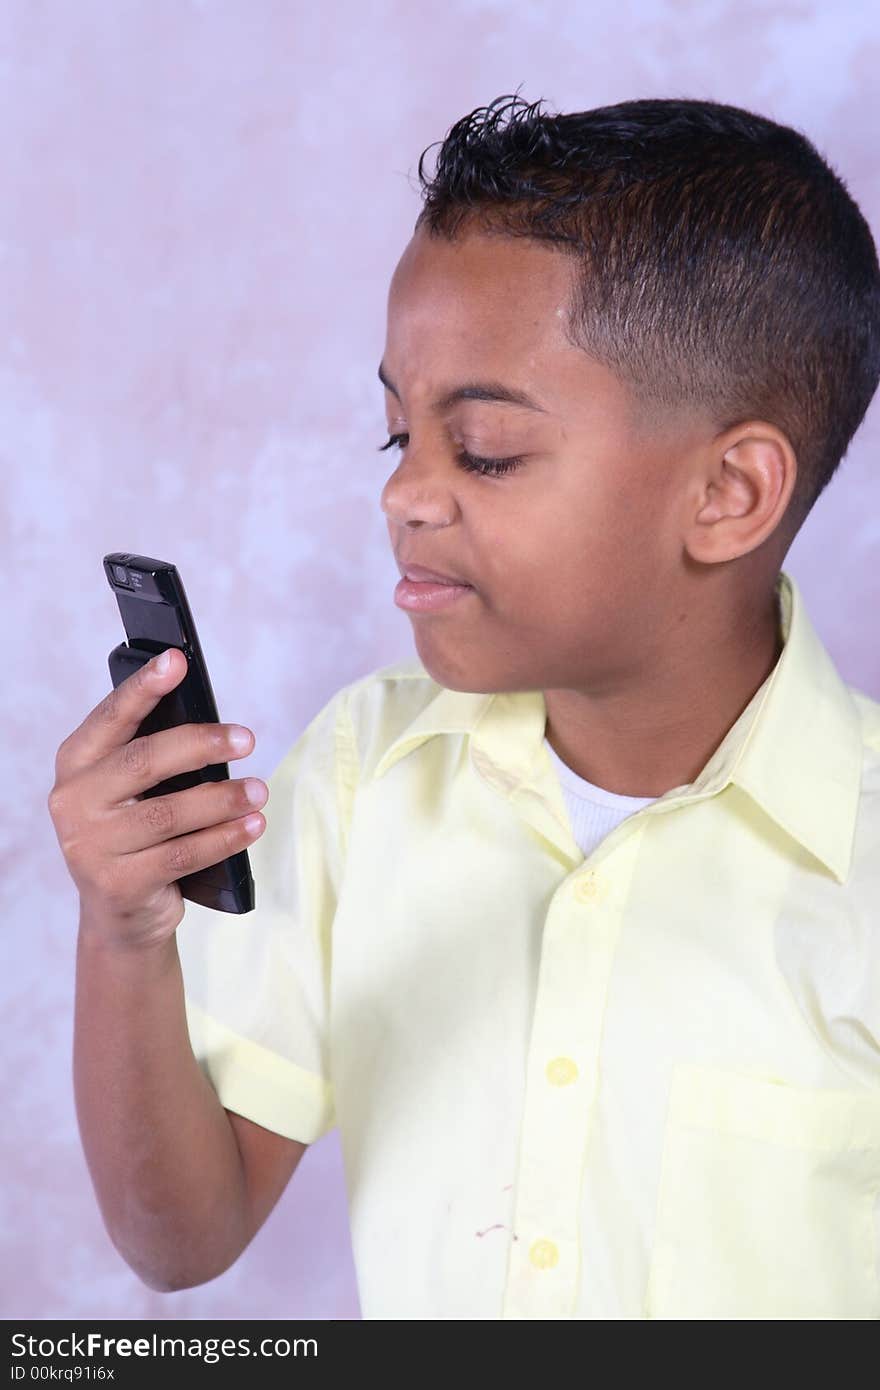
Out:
{"x": 183, "y": 1184}
{"x": 270, "y": 1161}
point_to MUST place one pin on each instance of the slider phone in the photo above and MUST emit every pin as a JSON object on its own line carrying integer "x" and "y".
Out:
{"x": 156, "y": 615}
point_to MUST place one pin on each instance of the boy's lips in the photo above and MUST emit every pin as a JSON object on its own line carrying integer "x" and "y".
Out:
{"x": 421, "y": 575}
{"x": 425, "y": 591}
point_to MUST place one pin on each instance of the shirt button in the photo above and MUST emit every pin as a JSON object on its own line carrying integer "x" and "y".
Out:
{"x": 560, "y": 1071}
{"x": 588, "y": 888}
{"x": 544, "y": 1254}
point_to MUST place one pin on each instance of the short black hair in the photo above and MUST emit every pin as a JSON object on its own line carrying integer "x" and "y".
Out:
{"x": 725, "y": 265}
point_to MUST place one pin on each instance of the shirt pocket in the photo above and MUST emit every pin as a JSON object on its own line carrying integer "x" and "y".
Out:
{"x": 766, "y": 1201}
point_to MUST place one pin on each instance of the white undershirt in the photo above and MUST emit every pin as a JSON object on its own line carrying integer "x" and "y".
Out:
{"x": 593, "y": 811}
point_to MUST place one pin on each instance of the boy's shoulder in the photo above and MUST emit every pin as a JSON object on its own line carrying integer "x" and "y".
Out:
{"x": 390, "y": 702}
{"x": 869, "y": 786}
{"x": 869, "y": 713}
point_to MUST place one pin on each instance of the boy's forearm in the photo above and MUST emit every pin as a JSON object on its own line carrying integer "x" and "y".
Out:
{"x": 163, "y": 1157}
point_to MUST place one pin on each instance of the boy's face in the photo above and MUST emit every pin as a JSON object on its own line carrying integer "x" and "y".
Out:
{"x": 577, "y": 557}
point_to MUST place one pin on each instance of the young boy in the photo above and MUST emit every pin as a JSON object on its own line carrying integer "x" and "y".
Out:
{"x": 570, "y": 925}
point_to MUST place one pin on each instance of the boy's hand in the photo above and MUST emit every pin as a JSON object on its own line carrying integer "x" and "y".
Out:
{"x": 125, "y": 853}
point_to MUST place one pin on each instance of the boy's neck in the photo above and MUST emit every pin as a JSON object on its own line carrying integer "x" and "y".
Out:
{"x": 646, "y": 743}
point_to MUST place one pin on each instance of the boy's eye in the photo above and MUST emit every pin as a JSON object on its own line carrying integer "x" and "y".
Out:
{"x": 470, "y": 462}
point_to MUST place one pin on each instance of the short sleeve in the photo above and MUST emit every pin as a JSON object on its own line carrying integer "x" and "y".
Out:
{"x": 257, "y": 984}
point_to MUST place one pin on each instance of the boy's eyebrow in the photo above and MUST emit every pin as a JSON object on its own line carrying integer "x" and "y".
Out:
{"x": 474, "y": 391}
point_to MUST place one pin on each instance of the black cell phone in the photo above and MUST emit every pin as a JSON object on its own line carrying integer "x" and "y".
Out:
{"x": 156, "y": 615}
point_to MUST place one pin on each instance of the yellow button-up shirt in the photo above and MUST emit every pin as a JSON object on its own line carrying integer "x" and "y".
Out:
{"x": 642, "y": 1084}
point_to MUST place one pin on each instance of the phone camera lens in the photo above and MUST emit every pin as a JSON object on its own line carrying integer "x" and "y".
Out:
{"x": 121, "y": 574}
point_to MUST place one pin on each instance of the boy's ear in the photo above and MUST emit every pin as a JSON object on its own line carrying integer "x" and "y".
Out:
{"x": 747, "y": 484}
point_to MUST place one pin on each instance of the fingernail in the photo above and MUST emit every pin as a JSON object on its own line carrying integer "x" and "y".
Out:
{"x": 253, "y": 790}
{"x": 162, "y": 663}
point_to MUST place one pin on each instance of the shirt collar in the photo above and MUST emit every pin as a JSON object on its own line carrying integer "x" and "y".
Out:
{"x": 796, "y": 749}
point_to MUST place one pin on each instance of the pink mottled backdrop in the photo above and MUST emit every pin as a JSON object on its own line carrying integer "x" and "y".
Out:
{"x": 202, "y": 203}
